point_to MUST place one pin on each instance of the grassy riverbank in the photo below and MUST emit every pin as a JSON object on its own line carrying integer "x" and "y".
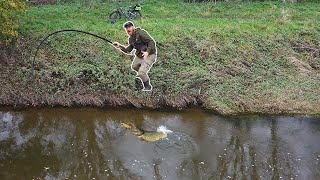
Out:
{"x": 230, "y": 58}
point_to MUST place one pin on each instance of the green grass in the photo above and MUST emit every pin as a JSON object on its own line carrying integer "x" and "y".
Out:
{"x": 225, "y": 51}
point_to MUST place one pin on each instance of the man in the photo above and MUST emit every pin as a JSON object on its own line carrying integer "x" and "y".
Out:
{"x": 145, "y": 54}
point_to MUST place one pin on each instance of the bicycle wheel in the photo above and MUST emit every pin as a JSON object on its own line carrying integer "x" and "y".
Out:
{"x": 114, "y": 16}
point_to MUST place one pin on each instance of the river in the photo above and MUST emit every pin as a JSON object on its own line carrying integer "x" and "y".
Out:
{"x": 89, "y": 143}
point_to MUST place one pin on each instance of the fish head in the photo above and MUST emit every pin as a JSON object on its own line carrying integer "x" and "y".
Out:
{"x": 126, "y": 125}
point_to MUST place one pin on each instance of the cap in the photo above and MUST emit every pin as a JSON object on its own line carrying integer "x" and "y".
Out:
{"x": 128, "y": 24}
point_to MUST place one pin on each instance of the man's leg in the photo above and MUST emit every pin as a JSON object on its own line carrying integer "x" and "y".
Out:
{"x": 136, "y": 63}
{"x": 143, "y": 72}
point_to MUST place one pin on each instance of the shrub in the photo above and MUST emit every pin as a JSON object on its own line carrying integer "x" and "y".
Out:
{"x": 9, "y": 13}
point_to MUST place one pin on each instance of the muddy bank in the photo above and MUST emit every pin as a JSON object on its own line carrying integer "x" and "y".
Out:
{"x": 93, "y": 74}
{"x": 27, "y": 98}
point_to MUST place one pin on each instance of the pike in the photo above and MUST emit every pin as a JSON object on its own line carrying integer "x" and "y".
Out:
{"x": 149, "y": 136}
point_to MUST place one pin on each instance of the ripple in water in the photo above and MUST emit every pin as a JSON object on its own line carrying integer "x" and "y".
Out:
{"x": 177, "y": 143}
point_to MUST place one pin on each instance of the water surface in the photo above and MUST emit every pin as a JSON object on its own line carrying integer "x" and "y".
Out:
{"x": 86, "y": 143}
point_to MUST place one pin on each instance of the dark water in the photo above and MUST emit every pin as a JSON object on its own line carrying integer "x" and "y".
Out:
{"x": 90, "y": 144}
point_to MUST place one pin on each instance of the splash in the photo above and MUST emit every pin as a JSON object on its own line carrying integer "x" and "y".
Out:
{"x": 163, "y": 129}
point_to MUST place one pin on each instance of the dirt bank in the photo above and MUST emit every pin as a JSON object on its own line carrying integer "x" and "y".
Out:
{"x": 226, "y": 59}
{"x": 19, "y": 90}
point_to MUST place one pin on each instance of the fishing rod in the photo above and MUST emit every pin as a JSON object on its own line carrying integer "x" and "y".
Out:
{"x": 56, "y": 32}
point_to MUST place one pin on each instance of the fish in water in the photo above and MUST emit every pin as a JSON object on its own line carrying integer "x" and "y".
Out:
{"x": 149, "y": 136}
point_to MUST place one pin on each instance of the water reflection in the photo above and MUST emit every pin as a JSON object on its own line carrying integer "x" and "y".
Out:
{"x": 90, "y": 144}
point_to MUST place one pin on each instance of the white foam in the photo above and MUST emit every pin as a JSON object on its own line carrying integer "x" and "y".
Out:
{"x": 163, "y": 129}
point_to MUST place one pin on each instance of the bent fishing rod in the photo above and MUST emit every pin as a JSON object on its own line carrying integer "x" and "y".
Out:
{"x": 56, "y": 32}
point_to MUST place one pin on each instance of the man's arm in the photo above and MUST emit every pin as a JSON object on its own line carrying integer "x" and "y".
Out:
{"x": 124, "y": 49}
{"x": 127, "y": 49}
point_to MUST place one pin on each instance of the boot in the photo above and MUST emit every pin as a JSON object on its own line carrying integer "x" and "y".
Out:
{"x": 147, "y": 86}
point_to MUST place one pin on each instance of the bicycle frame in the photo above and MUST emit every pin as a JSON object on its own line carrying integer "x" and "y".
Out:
{"x": 123, "y": 11}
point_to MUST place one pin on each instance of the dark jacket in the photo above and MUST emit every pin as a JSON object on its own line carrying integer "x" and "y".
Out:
{"x": 141, "y": 41}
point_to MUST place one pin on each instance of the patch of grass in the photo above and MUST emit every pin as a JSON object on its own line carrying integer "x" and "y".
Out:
{"x": 236, "y": 55}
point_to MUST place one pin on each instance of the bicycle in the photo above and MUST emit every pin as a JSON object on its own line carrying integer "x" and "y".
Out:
{"x": 133, "y": 12}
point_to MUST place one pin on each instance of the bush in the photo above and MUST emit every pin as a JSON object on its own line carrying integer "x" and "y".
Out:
{"x": 9, "y": 13}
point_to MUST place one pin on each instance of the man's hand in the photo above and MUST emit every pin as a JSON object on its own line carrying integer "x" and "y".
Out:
{"x": 116, "y": 45}
{"x": 145, "y": 55}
